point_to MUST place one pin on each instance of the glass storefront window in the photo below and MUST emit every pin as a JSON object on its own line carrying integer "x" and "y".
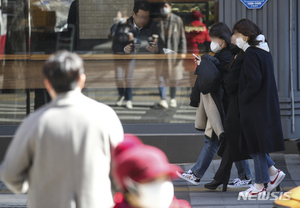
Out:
{"x": 158, "y": 83}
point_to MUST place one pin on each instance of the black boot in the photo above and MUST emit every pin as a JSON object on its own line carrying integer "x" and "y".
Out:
{"x": 214, "y": 184}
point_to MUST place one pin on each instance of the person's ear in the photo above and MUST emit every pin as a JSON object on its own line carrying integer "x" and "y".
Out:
{"x": 81, "y": 81}
{"x": 222, "y": 42}
{"x": 246, "y": 38}
{"x": 133, "y": 13}
{"x": 49, "y": 88}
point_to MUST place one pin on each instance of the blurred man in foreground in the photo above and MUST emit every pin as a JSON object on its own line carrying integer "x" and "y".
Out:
{"x": 61, "y": 153}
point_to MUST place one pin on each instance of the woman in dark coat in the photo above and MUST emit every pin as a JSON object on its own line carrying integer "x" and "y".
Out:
{"x": 261, "y": 130}
{"x": 220, "y": 36}
{"x": 229, "y": 150}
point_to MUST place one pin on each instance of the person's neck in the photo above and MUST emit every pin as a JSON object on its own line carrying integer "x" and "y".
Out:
{"x": 137, "y": 25}
{"x": 130, "y": 200}
{"x": 54, "y": 94}
{"x": 169, "y": 15}
{"x": 224, "y": 46}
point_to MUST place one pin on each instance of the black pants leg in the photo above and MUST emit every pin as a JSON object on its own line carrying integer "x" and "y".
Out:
{"x": 223, "y": 172}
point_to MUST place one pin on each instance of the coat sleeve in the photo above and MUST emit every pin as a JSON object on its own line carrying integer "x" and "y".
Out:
{"x": 182, "y": 44}
{"x": 120, "y": 40}
{"x": 231, "y": 80}
{"x": 118, "y": 46}
{"x": 253, "y": 76}
{"x": 224, "y": 60}
{"x": 17, "y": 162}
{"x": 115, "y": 128}
{"x": 195, "y": 95}
{"x": 155, "y": 29}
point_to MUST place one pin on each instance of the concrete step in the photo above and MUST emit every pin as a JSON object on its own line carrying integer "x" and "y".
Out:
{"x": 182, "y": 143}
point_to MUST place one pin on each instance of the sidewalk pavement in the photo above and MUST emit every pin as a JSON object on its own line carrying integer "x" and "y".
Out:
{"x": 198, "y": 196}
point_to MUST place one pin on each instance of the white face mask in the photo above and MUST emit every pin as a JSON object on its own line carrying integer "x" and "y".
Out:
{"x": 240, "y": 42}
{"x": 156, "y": 194}
{"x": 165, "y": 11}
{"x": 215, "y": 47}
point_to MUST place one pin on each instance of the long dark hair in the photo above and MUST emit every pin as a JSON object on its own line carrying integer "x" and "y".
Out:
{"x": 233, "y": 59}
{"x": 248, "y": 28}
{"x": 222, "y": 31}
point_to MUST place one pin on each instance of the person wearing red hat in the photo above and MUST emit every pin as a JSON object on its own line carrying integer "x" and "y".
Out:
{"x": 144, "y": 175}
{"x": 196, "y": 32}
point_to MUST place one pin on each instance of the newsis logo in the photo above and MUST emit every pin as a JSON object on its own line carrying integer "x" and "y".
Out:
{"x": 269, "y": 196}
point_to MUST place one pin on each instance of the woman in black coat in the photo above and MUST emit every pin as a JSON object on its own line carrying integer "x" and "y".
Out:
{"x": 261, "y": 130}
{"x": 220, "y": 36}
{"x": 229, "y": 150}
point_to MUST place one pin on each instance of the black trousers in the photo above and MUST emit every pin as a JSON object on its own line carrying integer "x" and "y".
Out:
{"x": 224, "y": 170}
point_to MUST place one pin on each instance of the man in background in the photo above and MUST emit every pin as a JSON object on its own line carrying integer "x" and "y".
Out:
{"x": 174, "y": 41}
{"x": 138, "y": 35}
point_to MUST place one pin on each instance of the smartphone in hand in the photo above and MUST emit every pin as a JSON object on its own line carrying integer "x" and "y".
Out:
{"x": 152, "y": 44}
{"x": 196, "y": 56}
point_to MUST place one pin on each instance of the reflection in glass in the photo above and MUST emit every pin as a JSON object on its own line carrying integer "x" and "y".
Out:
{"x": 158, "y": 68}
{"x": 174, "y": 41}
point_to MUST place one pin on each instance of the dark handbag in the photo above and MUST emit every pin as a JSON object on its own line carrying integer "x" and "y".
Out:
{"x": 209, "y": 77}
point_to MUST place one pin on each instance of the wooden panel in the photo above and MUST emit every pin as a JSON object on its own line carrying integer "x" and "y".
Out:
{"x": 100, "y": 73}
{"x": 121, "y": 56}
{"x": 15, "y": 75}
{"x": 16, "y": 57}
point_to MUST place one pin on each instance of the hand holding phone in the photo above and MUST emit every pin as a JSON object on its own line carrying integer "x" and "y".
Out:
{"x": 152, "y": 43}
{"x": 196, "y": 56}
{"x": 152, "y": 47}
{"x": 197, "y": 59}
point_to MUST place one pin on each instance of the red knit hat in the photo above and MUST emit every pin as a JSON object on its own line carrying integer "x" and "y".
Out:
{"x": 142, "y": 163}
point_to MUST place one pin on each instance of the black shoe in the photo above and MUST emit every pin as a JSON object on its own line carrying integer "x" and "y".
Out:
{"x": 214, "y": 184}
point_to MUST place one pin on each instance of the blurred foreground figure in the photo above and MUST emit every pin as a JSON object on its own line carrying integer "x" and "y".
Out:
{"x": 144, "y": 175}
{"x": 61, "y": 153}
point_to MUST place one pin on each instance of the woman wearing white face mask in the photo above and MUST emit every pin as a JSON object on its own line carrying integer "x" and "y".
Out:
{"x": 144, "y": 175}
{"x": 169, "y": 71}
{"x": 215, "y": 107}
{"x": 261, "y": 130}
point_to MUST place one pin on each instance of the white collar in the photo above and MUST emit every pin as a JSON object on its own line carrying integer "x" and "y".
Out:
{"x": 139, "y": 28}
{"x": 245, "y": 47}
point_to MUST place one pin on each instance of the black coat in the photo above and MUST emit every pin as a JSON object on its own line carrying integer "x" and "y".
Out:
{"x": 261, "y": 129}
{"x": 121, "y": 37}
{"x": 232, "y": 121}
{"x": 224, "y": 57}
{"x": 208, "y": 76}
